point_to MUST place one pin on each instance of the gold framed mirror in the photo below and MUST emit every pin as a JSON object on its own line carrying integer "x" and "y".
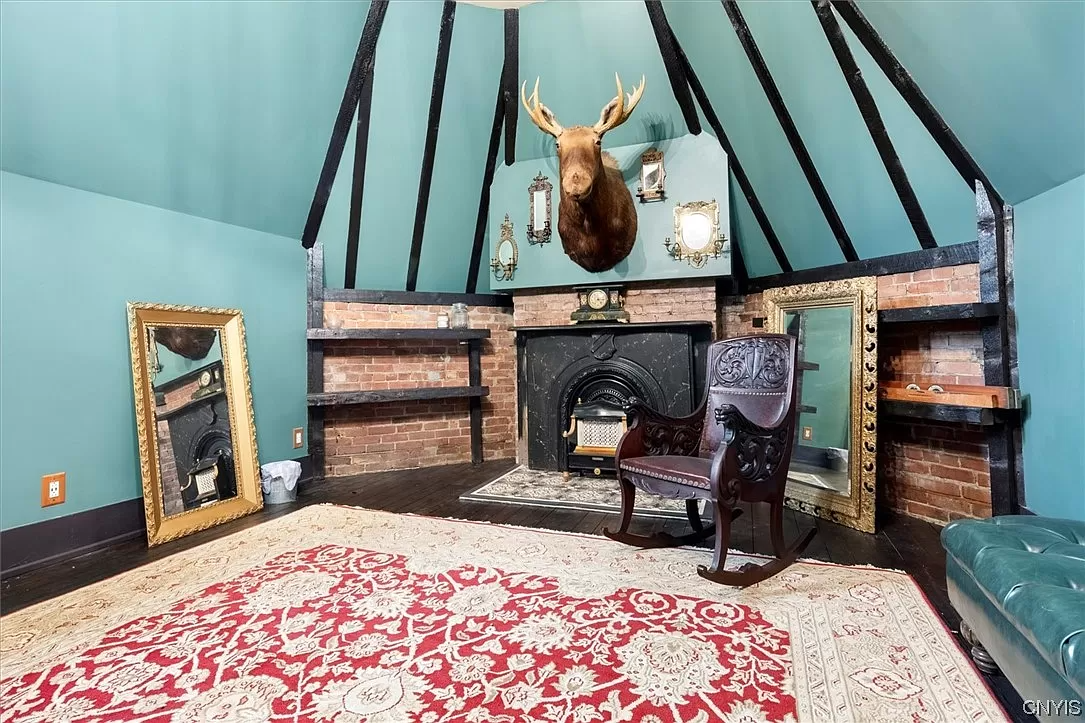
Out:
{"x": 194, "y": 418}
{"x": 507, "y": 255}
{"x": 834, "y": 461}
{"x": 538, "y": 226}
{"x": 697, "y": 236}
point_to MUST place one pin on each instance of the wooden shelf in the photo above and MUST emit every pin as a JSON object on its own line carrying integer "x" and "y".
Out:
{"x": 945, "y": 312}
{"x": 393, "y": 334}
{"x": 333, "y": 399}
{"x": 982, "y": 416}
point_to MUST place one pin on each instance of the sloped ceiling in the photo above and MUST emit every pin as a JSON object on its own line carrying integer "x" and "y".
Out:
{"x": 224, "y": 110}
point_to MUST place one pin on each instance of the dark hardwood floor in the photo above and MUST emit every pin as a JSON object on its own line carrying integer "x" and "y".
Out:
{"x": 901, "y": 543}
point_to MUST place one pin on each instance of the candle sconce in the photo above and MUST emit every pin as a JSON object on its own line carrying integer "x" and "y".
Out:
{"x": 697, "y": 236}
{"x": 506, "y": 255}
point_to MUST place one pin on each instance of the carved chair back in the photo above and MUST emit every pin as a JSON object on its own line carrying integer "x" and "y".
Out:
{"x": 751, "y": 403}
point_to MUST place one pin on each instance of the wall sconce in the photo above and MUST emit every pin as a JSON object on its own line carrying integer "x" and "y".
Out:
{"x": 652, "y": 176}
{"x": 506, "y": 256}
{"x": 697, "y": 235}
{"x": 538, "y": 225}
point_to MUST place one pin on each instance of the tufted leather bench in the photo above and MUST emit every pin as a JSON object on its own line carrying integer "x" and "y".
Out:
{"x": 1018, "y": 582}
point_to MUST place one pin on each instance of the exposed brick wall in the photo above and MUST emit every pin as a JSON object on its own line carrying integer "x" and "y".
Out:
{"x": 685, "y": 300}
{"x": 403, "y": 435}
{"x": 937, "y": 472}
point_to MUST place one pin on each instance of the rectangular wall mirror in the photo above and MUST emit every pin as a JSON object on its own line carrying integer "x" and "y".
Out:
{"x": 834, "y": 462}
{"x": 194, "y": 418}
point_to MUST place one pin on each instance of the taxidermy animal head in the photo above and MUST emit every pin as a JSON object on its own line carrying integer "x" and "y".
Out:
{"x": 191, "y": 342}
{"x": 597, "y": 220}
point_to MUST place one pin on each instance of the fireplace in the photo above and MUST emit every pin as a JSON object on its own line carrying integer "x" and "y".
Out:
{"x": 601, "y": 367}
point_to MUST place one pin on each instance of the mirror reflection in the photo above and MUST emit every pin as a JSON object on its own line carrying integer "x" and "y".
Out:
{"x": 822, "y": 442}
{"x": 538, "y": 206}
{"x": 653, "y": 175}
{"x": 696, "y": 231}
{"x": 192, "y": 417}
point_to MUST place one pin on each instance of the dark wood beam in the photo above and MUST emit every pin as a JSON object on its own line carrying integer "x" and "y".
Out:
{"x": 435, "y": 298}
{"x": 874, "y": 124}
{"x": 484, "y": 194}
{"x": 741, "y": 178}
{"x": 668, "y": 51}
{"x": 361, "y": 149}
{"x": 510, "y": 74}
{"x": 910, "y": 91}
{"x": 999, "y": 347}
{"x": 761, "y": 70}
{"x": 314, "y": 371}
{"x": 966, "y": 253}
{"x": 363, "y": 63}
{"x": 425, "y": 178}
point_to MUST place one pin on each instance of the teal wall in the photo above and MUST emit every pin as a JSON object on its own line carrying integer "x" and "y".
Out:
{"x": 69, "y": 262}
{"x": 828, "y": 120}
{"x": 696, "y": 170}
{"x": 215, "y": 109}
{"x": 1049, "y": 283}
{"x": 828, "y": 343}
{"x": 403, "y": 80}
{"x": 175, "y": 365}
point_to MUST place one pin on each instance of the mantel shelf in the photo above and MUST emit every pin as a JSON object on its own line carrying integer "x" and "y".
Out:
{"x": 333, "y": 399}
{"x": 393, "y": 334}
{"x": 982, "y": 416}
{"x": 945, "y": 312}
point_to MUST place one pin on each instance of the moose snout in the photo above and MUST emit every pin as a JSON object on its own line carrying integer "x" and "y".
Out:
{"x": 577, "y": 184}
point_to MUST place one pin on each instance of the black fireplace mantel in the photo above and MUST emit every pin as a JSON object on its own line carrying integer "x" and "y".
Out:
{"x": 662, "y": 363}
{"x": 596, "y": 327}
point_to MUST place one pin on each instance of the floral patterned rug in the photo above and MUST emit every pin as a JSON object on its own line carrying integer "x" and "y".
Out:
{"x": 347, "y": 615}
{"x": 523, "y": 486}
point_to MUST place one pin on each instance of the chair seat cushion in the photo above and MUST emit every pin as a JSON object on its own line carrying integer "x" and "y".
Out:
{"x": 1033, "y": 570}
{"x": 690, "y": 471}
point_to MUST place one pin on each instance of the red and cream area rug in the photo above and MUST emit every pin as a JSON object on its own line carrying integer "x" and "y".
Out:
{"x": 346, "y": 615}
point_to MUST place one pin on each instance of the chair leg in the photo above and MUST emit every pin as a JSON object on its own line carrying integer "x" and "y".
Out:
{"x": 750, "y": 573}
{"x": 659, "y": 539}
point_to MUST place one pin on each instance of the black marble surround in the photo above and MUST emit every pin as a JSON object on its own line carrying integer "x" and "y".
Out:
{"x": 663, "y": 364}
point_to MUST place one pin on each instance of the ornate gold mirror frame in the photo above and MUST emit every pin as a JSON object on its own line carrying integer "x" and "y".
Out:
{"x": 856, "y": 508}
{"x": 232, "y": 381}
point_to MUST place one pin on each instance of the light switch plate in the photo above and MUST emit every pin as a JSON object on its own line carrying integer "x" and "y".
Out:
{"x": 807, "y": 433}
{"x": 299, "y": 437}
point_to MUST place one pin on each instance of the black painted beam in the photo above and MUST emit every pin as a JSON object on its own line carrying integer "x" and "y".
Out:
{"x": 357, "y": 187}
{"x": 668, "y": 51}
{"x": 428, "y": 298}
{"x": 787, "y": 123}
{"x": 425, "y": 178}
{"x": 363, "y": 65}
{"x": 741, "y": 178}
{"x": 966, "y": 253}
{"x": 913, "y": 95}
{"x": 510, "y": 74}
{"x": 314, "y": 363}
{"x": 484, "y": 194}
{"x": 874, "y": 124}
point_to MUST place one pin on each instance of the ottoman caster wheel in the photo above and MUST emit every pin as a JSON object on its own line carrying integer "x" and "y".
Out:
{"x": 980, "y": 656}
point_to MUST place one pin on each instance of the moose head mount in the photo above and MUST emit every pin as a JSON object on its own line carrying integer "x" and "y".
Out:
{"x": 597, "y": 220}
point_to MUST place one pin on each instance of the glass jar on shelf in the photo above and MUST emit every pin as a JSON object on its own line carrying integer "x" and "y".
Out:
{"x": 460, "y": 319}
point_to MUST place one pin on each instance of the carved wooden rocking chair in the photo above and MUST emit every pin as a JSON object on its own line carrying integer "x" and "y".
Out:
{"x": 737, "y": 446}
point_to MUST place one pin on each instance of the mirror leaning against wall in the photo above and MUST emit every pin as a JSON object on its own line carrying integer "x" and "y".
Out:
{"x": 194, "y": 418}
{"x": 834, "y": 460}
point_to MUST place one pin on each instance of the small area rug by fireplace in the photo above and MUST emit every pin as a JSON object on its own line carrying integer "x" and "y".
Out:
{"x": 347, "y": 615}
{"x": 537, "y": 488}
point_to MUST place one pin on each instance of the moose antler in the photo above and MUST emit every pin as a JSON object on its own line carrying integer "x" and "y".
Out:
{"x": 540, "y": 114}
{"x": 612, "y": 116}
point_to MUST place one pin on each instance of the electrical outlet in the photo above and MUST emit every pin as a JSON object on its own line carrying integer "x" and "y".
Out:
{"x": 52, "y": 489}
{"x": 807, "y": 433}
{"x": 299, "y": 437}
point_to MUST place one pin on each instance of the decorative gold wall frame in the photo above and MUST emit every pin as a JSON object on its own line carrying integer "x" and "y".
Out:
{"x": 652, "y": 176}
{"x": 697, "y": 236}
{"x": 856, "y": 508}
{"x": 506, "y": 255}
{"x": 539, "y": 192}
{"x": 244, "y": 473}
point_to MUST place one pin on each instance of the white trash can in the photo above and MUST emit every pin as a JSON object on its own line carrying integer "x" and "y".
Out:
{"x": 279, "y": 481}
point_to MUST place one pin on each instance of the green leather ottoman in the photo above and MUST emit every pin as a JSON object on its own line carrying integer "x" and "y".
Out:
{"x": 1018, "y": 582}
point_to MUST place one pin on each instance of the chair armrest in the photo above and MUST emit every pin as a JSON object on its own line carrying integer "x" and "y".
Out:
{"x": 652, "y": 433}
{"x": 749, "y": 452}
